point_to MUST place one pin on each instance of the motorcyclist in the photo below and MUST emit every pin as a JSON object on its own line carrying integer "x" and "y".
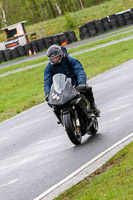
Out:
{"x": 61, "y": 62}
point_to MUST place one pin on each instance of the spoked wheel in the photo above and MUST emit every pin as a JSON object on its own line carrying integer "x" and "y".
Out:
{"x": 94, "y": 127}
{"x": 72, "y": 130}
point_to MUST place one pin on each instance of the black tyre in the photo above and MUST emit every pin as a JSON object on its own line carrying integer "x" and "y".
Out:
{"x": 48, "y": 41}
{"x": 56, "y": 39}
{"x": 99, "y": 26}
{"x": 128, "y": 17}
{"x": 2, "y": 56}
{"x": 120, "y": 20}
{"x": 14, "y": 53}
{"x": 83, "y": 32}
{"x": 91, "y": 28}
{"x": 94, "y": 127}
{"x": 21, "y": 51}
{"x": 34, "y": 46}
{"x": 113, "y": 21}
{"x": 71, "y": 36}
{"x": 7, "y": 54}
{"x": 62, "y": 38}
{"x": 27, "y": 47}
{"x": 41, "y": 44}
{"x": 73, "y": 132}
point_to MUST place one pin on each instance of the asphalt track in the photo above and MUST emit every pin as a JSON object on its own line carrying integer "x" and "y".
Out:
{"x": 36, "y": 152}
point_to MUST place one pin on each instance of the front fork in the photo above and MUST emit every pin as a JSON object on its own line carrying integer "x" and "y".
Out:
{"x": 73, "y": 112}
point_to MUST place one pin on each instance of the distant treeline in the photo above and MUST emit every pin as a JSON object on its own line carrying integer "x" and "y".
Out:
{"x": 34, "y": 11}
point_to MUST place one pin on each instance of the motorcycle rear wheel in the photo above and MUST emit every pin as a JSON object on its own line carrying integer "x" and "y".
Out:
{"x": 71, "y": 129}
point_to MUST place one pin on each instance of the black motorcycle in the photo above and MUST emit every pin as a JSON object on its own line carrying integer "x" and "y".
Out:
{"x": 72, "y": 109}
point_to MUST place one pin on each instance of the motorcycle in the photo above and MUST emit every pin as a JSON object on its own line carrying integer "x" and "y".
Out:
{"x": 72, "y": 109}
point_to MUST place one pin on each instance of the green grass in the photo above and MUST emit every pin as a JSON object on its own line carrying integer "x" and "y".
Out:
{"x": 73, "y": 50}
{"x": 58, "y": 25}
{"x": 23, "y": 90}
{"x": 113, "y": 181}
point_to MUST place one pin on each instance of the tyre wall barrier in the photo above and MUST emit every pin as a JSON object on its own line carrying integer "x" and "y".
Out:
{"x": 38, "y": 45}
{"x": 95, "y": 27}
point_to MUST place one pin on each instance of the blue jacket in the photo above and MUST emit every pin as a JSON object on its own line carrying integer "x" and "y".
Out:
{"x": 69, "y": 66}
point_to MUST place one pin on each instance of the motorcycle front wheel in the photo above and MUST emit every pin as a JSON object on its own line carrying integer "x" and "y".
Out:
{"x": 73, "y": 132}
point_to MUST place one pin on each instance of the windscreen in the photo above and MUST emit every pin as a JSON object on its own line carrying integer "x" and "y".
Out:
{"x": 59, "y": 82}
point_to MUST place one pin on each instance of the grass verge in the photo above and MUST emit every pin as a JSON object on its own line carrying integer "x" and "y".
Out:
{"x": 23, "y": 90}
{"x": 113, "y": 181}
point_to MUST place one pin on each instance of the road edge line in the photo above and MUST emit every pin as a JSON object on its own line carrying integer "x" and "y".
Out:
{"x": 103, "y": 157}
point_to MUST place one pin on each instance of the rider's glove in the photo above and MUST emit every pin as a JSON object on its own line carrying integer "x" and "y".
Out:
{"x": 47, "y": 97}
{"x": 81, "y": 87}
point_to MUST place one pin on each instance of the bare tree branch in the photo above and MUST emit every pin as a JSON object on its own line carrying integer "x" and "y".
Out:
{"x": 58, "y": 8}
{"x": 3, "y": 16}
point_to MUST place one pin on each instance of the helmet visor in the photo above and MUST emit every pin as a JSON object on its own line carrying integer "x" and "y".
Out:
{"x": 55, "y": 60}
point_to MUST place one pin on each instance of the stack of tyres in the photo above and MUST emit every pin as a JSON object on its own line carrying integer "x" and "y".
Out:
{"x": 91, "y": 28}
{"x": 62, "y": 38}
{"x": 131, "y": 11}
{"x": 14, "y": 53}
{"x": 56, "y": 39}
{"x": 71, "y": 36}
{"x": 99, "y": 26}
{"x": 113, "y": 21}
{"x": 105, "y": 23}
{"x": 48, "y": 41}
{"x": 34, "y": 46}
{"x": 2, "y": 57}
{"x": 21, "y": 51}
{"x": 7, "y": 54}
{"x": 128, "y": 17}
{"x": 27, "y": 47}
{"x": 83, "y": 32}
{"x": 41, "y": 44}
{"x": 120, "y": 20}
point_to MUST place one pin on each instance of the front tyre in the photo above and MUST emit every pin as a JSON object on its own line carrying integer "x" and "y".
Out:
{"x": 72, "y": 130}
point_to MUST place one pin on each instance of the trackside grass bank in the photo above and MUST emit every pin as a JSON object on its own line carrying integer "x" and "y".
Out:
{"x": 113, "y": 181}
{"x": 23, "y": 90}
{"x": 80, "y": 17}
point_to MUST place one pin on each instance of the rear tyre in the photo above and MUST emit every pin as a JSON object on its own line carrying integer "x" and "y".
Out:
{"x": 94, "y": 127}
{"x": 73, "y": 132}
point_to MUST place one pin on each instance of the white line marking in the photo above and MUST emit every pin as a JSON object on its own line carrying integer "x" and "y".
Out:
{"x": 114, "y": 109}
{"x": 43, "y": 141}
{"x": 40, "y": 149}
{"x": 19, "y": 163}
{"x": 125, "y": 97}
{"x": 13, "y": 181}
{"x": 6, "y": 138}
{"x": 82, "y": 168}
{"x": 111, "y": 121}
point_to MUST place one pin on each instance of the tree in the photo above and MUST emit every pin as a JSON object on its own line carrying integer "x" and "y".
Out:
{"x": 58, "y": 8}
{"x": 3, "y": 15}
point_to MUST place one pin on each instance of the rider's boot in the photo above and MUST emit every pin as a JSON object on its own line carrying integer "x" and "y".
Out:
{"x": 95, "y": 109}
